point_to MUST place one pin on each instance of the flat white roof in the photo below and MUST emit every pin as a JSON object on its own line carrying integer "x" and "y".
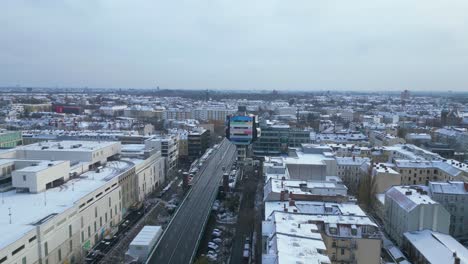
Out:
{"x": 68, "y": 145}
{"x": 40, "y": 165}
{"x": 343, "y": 213}
{"x": 278, "y": 185}
{"x": 29, "y": 208}
{"x": 146, "y": 236}
{"x": 300, "y": 250}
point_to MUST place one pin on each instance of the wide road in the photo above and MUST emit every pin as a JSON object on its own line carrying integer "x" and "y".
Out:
{"x": 179, "y": 242}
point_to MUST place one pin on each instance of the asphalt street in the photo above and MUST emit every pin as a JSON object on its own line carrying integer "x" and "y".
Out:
{"x": 246, "y": 219}
{"x": 180, "y": 240}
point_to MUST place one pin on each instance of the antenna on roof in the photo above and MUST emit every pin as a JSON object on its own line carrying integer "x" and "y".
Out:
{"x": 9, "y": 213}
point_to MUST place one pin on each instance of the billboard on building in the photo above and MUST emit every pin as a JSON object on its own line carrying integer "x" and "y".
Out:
{"x": 241, "y": 130}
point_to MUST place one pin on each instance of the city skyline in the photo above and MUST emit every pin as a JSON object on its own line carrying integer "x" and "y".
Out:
{"x": 263, "y": 45}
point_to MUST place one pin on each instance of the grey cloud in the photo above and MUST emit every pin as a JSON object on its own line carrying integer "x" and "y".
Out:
{"x": 243, "y": 44}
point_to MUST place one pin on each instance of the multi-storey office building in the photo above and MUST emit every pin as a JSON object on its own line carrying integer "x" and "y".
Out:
{"x": 10, "y": 139}
{"x": 276, "y": 139}
{"x": 169, "y": 147}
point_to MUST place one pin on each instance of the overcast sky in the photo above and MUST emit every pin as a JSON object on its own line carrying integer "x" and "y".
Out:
{"x": 236, "y": 44}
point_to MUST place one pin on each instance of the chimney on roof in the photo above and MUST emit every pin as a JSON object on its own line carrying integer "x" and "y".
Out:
{"x": 282, "y": 195}
{"x": 456, "y": 258}
{"x": 466, "y": 186}
{"x": 292, "y": 202}
{"x": 354, "y": 158}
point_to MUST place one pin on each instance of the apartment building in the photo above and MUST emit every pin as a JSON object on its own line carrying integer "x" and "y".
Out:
{"x": 409, "y": 208}
{"x": 454, "y": 197}
{"x": 417, "y": 172}
{"x": 426, "y": 246}
{"x": 292, "y": 242}
{"x": 349, "y": 170}
{"x": 212, "y": 113}
{"x": 283, "y": 190}
{"x": 348, "y": 234}
{"x": 384, "y": 177}
{"x": 198, "y": 140}
{"x": 381, "y": 138}
{"x": 177, "y": 114}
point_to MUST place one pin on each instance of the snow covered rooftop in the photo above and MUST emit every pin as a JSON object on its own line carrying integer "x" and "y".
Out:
{"x": 306, "y": 187}
{"x": 68, "y": 145}
{"x": 342, "y": 213}
{"x": 408, "y": 197}
{"x": 146, "y": 236}
{"x": 347, "y": 161}
{"x": 29, "y": 208}
{"x": 437, "y": 247}
{"x": 450, "y": 187}
{"x": 451, "y": 167}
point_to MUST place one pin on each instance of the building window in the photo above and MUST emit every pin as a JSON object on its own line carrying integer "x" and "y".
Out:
{"x": 46, "y": 249}
{"x": 60, "y": 254}
{"x": 24, "y": 260}
{"x": 70, "y": 231}
{"x": 24, "y": 177}
{"x": 71, "y": 245}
